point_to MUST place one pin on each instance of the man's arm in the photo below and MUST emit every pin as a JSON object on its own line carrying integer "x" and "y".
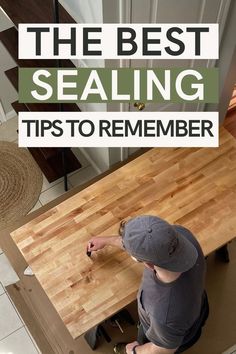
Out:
{"x": 148, "y": 348}
{"x": 97, "y": 243}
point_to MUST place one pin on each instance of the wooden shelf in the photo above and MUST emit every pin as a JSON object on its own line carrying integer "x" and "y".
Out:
{"x": 19, "y": 107}
{"x": 49, "y": 159}
{"x": 12, "y": 75}
{"x": 31, "y": 11}
{"x": 22, "y": 107}
{"x": 9, "y": 39}
{"x": 50, "y": 162}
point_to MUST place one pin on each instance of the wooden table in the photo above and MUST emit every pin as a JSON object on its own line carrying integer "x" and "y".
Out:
{"x": 193, "y": 187}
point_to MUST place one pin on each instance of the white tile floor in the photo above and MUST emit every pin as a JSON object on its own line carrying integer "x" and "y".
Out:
{"x": 14, "y": 336}
{"x": 13, "y": 321}
{"x": 13, "y": 343}
{"x": 7, "y": 274}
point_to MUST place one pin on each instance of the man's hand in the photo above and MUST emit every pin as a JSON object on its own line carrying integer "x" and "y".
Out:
{"x": 98, "y": 243}
{"x": 130, "y": 346}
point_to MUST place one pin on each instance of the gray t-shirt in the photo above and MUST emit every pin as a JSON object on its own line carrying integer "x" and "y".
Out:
{"x": 169, "y": 312}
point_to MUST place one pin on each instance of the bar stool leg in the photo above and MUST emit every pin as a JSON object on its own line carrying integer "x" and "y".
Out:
{"x": 92, "y": 335}
{"x": 63, "y": 155}
{"x": 223, "y": 253}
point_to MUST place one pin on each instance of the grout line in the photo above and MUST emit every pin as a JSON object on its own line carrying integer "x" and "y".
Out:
{"x": 40, "y": 205}
{"x": 54, "y": 185}
{"x": 17, "y": 312}
{"x": 68, "y": 176}
{"x": 70, "y": 186}
{"x": 32, "y": 339}
{"x": 83, "y": 169}
{"x": 12, "y": 333}
{"x": 23, "y": 324}
{"x": 79, "y": 170}
{"x": 49, "y": 187}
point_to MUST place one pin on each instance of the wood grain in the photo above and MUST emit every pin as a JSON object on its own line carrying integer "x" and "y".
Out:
{"x": 193, "y": 187}
{"x": 31, "y": 11}
{"x": 9, "y": 39}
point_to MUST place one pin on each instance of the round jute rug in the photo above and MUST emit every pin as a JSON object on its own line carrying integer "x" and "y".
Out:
{"x": 20, "y": 183}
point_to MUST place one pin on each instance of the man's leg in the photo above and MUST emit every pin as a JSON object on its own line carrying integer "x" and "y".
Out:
{"x": 141, "y": 339}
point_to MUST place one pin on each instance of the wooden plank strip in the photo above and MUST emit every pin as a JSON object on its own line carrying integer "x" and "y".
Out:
{"x": 31, "y": 11}
{"x": 9, "y": 39}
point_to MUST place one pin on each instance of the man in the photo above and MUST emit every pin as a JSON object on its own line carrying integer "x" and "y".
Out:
{"x": 172, "y": 303}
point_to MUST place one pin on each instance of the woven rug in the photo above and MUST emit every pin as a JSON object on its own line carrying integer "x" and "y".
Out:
{"x": 20, "y": 183}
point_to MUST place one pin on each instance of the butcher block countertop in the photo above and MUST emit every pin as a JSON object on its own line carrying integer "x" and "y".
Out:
{"x": 194, "y": 187}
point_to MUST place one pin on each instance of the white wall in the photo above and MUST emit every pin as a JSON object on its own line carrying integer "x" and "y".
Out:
{"x": 90, "y": 11}
{"x": 227, "y": 62}
{"x": 7, "y": 92}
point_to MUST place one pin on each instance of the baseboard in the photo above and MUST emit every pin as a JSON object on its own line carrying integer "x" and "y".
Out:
{"x": 90, "y": 160}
